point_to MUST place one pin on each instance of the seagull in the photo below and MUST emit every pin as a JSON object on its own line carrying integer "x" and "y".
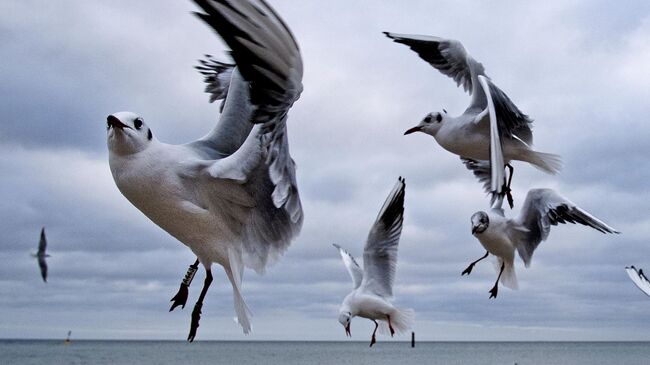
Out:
{"x": 639, "y": 279}
{"x": 491, "y": 132}
{"x": 373, "y": 285}
{"x": 231, "y": 196}
{"x": 41, "y": 255}
{"x": 502, "y": 236}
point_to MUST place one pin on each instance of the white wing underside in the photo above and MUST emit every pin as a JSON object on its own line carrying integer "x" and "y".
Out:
{"x": 497, "y": 176}
{"x": 355, "y": 271}
{"x": 638, "y": 280}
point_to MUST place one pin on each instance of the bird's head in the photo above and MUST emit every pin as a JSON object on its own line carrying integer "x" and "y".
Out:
{"x": 480, "y": 222}
{"x": 430, "y": 124}
{"x": 344, "y": 320}
{"x": 127, "y": 133}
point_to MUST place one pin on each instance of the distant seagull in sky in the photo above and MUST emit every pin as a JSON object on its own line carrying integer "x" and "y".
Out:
{"x": 230, "y": 196}
{"x": 639, "y": 279}
{"x": 492, "y": 131}
{"x": 41, "y": 255}
{"x": 502, "y": 236}
{"x": 373, "y": 285}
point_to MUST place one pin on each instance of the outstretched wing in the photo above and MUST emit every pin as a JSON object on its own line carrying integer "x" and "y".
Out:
{"x": 380, "y": 252}
{"x": 481, "y": 170}
{"x": 356, "y": 272}
{"x": 43, "y": 266}
{"x": 497, "y": 162}
{"x": 450, "y": 58}
{"x": 246, "y": 173}
{"x": 512, "y": 122}
{"x": 264, "y": 50}
{"x": 42, "y": 244}
{"x": 639, "y": 279}
{"x": 542, "y": 209}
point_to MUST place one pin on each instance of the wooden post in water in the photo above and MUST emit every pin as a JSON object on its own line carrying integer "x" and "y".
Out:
{"x": 412, "y": 339}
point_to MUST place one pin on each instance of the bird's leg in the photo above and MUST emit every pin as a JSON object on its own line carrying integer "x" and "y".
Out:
{"x": 507, "y": 189}
{"x": 390, "y": 327}
{"x": 471, "y": 266}
{"x": 181, "y": 297}
{"x": 196, "y": 313}
{"x": 372, "y": 339}
{"x": 495, "y": 288}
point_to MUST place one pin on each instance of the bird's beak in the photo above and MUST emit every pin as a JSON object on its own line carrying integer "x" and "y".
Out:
{"x": 474, "y": 228}
{"x": 115, "y": 123}
{"x": 413, "y": 130}
{"x": 347, "y": 331}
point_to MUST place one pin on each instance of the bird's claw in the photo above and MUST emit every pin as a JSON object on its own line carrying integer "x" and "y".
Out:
{"x": 493, "y": 292}
{"x": 196, "y": 316}
{"x": 372, "y": 340}
{"x": 468, "y": 270}
{"x": 392, "y": 331}
{"x": 180, "y": 298}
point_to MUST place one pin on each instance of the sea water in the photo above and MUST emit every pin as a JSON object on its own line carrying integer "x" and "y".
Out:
{"x": 18, "y": 352}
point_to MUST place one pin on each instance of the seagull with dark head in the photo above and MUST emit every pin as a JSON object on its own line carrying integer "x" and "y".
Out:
{"x": 501, "y": 236}
{"x": 231, "y": 196}
{"x": 373, "y": 285}
{"x": 491, "y": 132}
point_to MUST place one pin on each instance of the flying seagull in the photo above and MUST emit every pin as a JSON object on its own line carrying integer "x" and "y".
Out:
{"x": 41, "y": 255}
{"x": 502, "y": 236}
{"x": 231, "y": 196}
{"x": 639, "y": 279}
{"x": 491, "y": 132}
{"x": 373, "y": 285}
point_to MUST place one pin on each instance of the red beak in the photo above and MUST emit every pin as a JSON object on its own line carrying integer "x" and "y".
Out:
{"x": 412, "y": 130}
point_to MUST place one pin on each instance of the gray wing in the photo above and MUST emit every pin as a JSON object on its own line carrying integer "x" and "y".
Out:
{"x": 254, "y": 188}
{"x": 481, "y": 170}
{"x": 542, "y": 209}
{"x": 216, "y": 75}
{"x": 380, "y": 252}
{"x": 450, "y": 58}
{"x": 42, "y": 244}
{"x": 512, "y": 122}
{"x": 355, "y": 271}
{"x": 43, "y": 265}
{"x": 639, "y": 279}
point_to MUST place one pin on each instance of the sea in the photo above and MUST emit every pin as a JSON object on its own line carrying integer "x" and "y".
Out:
{"x": 91, "y": 352}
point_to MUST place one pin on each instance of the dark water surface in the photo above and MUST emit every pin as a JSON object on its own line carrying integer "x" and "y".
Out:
{"x": 394, "y": 353}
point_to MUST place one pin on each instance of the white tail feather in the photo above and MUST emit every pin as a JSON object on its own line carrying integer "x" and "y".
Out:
{"x": 401, "y": 319}
{"x": 547, "y": 162}
{"x": 235, "y": 274}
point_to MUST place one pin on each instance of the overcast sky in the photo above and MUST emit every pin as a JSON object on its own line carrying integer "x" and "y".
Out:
{"x": 578, "y": 68}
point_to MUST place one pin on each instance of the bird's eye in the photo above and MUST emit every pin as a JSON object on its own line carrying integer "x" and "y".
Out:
{"x": 438, "y": 117}
{"x": 137, "y": 123}
{"x": 427, "y": 119}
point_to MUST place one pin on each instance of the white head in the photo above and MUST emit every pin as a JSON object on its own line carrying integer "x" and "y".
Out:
{"x": 127, "y": 133}
{"x": 344, "y": 319}
{"x": 480, "y": 222}
{"x": 430, "y": 124}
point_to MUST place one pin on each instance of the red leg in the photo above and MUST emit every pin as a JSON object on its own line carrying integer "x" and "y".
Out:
{"x": 372, "y": 339}
{"x": 390, "y": 327}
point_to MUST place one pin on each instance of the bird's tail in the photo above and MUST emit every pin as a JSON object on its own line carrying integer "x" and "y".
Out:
{"x": 235, "y": 274}
{"x": 401, "y": 319}
{"x": 508, "y": 277}
{"x": 547, "y": 162}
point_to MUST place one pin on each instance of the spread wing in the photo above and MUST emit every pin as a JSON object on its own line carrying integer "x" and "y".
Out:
{"x": 639, "y": 279}
{"x": 42, "y": 244}
{"x": 542, "y": 209}
{"x": 246, "y": 172}
{"x": 43, "y": 266}
{"x": 380, "y": 252}
{"x": 450, "y": 58}
{"x": 356, "y": 272}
